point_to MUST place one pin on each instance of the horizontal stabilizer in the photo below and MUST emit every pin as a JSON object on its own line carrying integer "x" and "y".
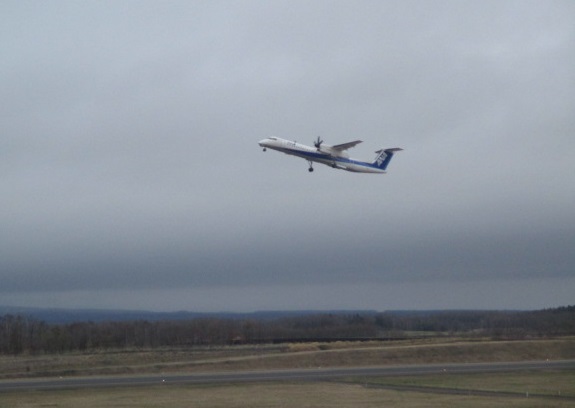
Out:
{"x": 390, "y": 151}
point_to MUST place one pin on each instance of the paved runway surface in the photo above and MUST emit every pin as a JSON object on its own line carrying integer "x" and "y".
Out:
{"x": 317, "y": 374}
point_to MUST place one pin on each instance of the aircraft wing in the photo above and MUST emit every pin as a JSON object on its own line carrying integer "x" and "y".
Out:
{"x": 345, "y": 146}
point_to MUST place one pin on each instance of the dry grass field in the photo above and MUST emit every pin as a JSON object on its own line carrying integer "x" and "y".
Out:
{"x": 548, "y": 383}
{"x": 270, "y": 395}
{"x": 365, "y": 393}
{"x": 308, "y": 355}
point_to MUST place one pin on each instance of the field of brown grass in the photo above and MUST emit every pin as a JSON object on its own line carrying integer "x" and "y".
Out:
{"x": 308, "y": 355}
{"x": 366, "y": 393}
{"x": 269, "y": 395}
{"x": 550, "y": 383}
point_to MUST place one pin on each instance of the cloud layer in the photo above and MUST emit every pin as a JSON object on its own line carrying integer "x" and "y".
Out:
{"x": 129, "y": 158}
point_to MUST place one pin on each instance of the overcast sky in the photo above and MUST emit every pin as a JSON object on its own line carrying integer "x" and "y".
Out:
{"x": 131, "y": 177}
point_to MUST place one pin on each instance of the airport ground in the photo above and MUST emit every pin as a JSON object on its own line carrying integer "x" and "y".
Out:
{"x": 549, "y": 387}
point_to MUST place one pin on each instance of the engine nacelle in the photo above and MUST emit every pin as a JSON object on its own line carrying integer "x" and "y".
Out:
{"x": 334, "y": 152}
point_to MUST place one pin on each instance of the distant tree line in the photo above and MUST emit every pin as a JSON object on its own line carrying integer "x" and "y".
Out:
{"x": 21, "y": 334}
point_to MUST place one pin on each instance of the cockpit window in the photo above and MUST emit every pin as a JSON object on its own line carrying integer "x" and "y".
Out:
{"x": 273, "y": 138}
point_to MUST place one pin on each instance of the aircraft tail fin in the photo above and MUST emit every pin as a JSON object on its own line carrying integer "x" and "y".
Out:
{"x": 384, "y": 157}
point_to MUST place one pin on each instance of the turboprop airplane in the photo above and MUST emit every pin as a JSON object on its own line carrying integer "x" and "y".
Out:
{"x": 334, "y": 156}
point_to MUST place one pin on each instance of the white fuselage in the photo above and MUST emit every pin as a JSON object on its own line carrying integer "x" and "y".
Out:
{"x": 337, "y": 159}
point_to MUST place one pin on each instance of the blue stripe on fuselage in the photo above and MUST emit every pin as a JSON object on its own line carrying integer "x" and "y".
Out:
{"x": 316, "y": 156}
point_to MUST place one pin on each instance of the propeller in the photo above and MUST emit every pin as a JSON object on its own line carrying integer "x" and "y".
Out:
{"x": 318, "y": 142}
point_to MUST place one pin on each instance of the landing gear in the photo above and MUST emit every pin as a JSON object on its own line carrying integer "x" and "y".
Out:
{"x": 310, "y": 166}
{"x": 265, "y": 149}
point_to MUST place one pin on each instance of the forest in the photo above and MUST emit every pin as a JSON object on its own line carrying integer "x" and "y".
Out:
{"x": 21, "y": 334}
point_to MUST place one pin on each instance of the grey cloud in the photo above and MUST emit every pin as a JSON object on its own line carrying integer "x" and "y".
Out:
{"x": 129, "y": 154}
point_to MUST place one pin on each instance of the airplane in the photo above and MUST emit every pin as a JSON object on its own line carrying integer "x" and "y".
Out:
{"x": 334, "y": 156}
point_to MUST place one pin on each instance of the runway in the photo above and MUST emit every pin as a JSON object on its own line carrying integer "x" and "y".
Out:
{"x": 315, "y": 374}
